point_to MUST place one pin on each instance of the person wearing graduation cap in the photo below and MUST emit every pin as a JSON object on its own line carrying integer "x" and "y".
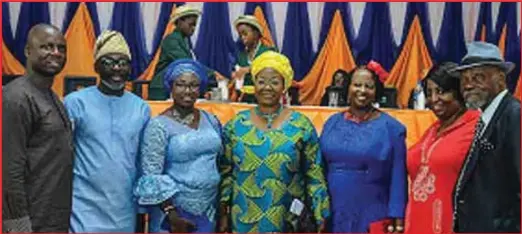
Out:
{"x": 176, "y": 46}
{"x": 250, "y": 32}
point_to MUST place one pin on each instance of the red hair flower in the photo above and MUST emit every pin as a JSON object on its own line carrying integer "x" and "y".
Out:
{"x": 379, "y": 70}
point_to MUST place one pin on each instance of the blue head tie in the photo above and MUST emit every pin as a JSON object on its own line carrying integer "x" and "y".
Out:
{"x": 182, "y": 66}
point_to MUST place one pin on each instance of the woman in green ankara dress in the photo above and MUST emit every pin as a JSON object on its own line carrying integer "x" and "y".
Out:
{"x": 272, "y": 160}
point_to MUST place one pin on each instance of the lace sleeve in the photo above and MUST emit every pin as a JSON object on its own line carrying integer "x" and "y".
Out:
{"x": 154, "y": 186}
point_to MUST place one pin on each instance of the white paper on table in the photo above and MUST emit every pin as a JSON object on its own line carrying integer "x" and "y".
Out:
{"x": 420, "y": 102}
{"x": 223, "y": 85}
{"x": 239, "y": 81}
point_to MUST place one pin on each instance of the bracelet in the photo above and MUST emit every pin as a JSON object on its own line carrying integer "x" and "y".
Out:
{"x": 390, "y": 228}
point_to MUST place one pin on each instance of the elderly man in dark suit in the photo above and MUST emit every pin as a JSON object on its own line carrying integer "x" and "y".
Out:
{"x": 487, "y": 194}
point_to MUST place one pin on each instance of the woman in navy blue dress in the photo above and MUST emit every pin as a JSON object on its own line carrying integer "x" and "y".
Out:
{"x": 365, "y": 151}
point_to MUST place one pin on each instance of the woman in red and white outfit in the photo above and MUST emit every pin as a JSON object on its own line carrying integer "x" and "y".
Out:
{"x": 435, "y": 161}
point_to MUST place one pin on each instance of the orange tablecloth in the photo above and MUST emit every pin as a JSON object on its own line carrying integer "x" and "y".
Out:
{"x": 416, "y": 122}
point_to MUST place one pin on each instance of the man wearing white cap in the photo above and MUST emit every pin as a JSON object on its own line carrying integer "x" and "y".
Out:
{"x": 107, "y": 128}
{"x": 487, "y": 194}
{"x": 177, "y": 46}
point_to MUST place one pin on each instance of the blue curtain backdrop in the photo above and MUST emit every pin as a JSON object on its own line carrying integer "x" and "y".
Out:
{"x": 451, "y": 33}
{"x": 72, "y": 8}
{"x": 7, "y": 32}
{"x": 484, "y": 20}
{"x": 126, "y": 18}
{"x": 371, "y": 42}
{"x": 163, "y": 21}
{"x": 297, "y": 29}
{"x": 375, "y": 40}
{"x": 215, "y": 46}
{"x": 328, "y": 14}
{"x": 31, "y": 13}
{"x": 419, "y": 9}
{"x": 508, "y": 16}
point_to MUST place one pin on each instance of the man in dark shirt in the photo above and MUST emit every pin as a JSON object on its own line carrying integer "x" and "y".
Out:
{"x": 37, "y": 144}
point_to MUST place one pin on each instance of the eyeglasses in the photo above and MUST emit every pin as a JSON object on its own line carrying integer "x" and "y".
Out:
{"x": 108, "y": 62}
{"x": 191, "y": 87}
{"x": 271, "y": 82}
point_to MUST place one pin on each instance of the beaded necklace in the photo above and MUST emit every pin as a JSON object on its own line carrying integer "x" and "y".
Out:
{"x": 268, "y": 117}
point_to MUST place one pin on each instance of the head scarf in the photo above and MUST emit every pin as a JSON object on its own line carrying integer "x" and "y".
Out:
{"x": 183, "y": 11}
{"x": 182, "y": 66}
{"x": 276, "y": 61}
{"x": 111, "y": 42}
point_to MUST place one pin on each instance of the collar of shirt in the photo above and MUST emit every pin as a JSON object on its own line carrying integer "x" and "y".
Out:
{"x": 40, "y": 83}
{"x": 487, "y": 114}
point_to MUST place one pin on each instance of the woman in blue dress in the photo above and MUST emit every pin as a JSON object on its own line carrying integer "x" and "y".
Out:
{"x": 180, "y": 179}
{"x": 365, "y": 153}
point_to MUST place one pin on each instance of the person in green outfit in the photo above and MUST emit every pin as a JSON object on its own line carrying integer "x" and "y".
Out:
{"x": 177, "y": 46}
{"x": 250, "y": 33}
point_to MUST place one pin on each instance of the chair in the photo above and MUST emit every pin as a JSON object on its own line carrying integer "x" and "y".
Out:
{"x": 294, "y": 96}
{"x": 138, "y": 86}
{"x": 389, "y": 98}
{"x": 75, "y": 83}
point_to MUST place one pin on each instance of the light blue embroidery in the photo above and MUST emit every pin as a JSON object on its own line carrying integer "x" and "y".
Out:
{"x": 180, "y": 163}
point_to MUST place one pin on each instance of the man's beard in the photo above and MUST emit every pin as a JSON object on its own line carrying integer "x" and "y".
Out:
{"x": 113, "y": 86}
{"x": 477, "y": 103}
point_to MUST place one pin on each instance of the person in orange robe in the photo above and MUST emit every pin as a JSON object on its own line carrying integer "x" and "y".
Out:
{"x": 435, "y": 161}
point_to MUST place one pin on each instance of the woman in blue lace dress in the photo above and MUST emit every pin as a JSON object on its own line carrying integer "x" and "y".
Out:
{"x": 180, "y": 179}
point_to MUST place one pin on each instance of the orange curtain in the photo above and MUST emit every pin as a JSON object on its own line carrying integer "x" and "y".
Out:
{"x": 416, "y": 122}
{"x": 267, "y": 35}
{"x": 148, "y": 74}
{"x": 409, "y": 67}
{"x": 335, "y": 54}
{"x": 502, "y": 40}
{"x": 502, "y": 47}
{"x": 483, "y": 33}
{"x": 10, "y": 65}
{"x": 80, "y": 37}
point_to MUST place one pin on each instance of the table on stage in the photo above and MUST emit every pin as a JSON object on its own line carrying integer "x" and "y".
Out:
{"x": 416, "y": 122}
